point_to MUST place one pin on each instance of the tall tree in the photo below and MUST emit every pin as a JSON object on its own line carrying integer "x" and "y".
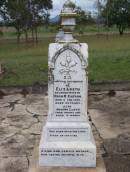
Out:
{"x": 2, "y": 8}
{"x": 116, "y": 12}
{"x": 99, "y": 6}
{"x": 38, "y": 12}
{"x": 25, "y": 15}
{"x": 83, "y": 16}
{"x": 14, "y": 11}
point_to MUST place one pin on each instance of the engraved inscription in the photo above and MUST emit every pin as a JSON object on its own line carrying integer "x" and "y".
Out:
{"x": 66, "y": 152}
{"x": 67, "y": 100}
{"x": 68, "y": 134}
{"x": 68, "y": 87}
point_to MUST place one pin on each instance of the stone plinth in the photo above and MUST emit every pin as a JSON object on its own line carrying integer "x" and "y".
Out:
{"x": 34, "y": 166}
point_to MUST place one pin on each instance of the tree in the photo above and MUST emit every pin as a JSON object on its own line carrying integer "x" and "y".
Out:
{"x": 2, "y": 9}
{"x": 99, "y": 7}
{"x": 46, "y": 18}
{"x": 83, "y": 16}
{"x": 25, "y": 15}
{"x": 117, "y": 12}
{"x": 38, "y": 12}
{"x": 13, "y": 12}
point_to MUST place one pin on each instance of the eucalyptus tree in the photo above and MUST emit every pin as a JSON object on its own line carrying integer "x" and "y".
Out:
{"x": 117, "y": 12}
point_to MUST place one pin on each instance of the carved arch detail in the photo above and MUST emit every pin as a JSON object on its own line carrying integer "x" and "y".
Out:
{"x": 68, "y": 47}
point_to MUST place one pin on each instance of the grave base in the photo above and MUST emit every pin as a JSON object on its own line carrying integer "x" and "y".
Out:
{"x": 67, "y": 145}
{"x": 34, "y": 166}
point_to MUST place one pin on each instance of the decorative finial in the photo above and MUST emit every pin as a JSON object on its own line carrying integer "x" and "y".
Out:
{"x": 68, "y": 4}
{"x": 68, "y": 21}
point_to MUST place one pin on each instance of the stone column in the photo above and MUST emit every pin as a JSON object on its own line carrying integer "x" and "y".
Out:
{"x": 67, "y": 138}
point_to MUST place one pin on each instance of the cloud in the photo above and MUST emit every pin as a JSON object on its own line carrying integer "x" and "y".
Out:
{"x": 84, "y": 4}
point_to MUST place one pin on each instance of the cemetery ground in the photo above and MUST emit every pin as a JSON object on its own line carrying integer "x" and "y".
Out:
{"x": 22, "y": 119}
{"x": 22, "y": 115}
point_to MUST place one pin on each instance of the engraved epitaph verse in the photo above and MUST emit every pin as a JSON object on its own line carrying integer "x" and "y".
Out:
{"x": 68, "y": 86}
{"x": 67, "y": 134}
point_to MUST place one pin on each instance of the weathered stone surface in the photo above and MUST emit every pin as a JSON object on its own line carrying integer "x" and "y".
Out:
{"x": 117, "y": 162}
{"x": 13, "y": 164}
{"x": 35, "y": 129}
{"x": 114, "y": 145}
{"x": 37, "y": 105}
{"x": 12, "y": 98}
{"x": 19, "y": 132}
{"x": 111, "y": 115}
{"x": 4, "y": 110}
{"x": 7, "y": 131}
{"x": 4, "y": 105}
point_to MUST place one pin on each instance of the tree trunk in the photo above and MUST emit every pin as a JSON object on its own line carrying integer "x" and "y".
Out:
{"x": 36, "y": 35}
{"x": 18, "y": 37}
{"x": 32, "y": 34}
{"x": 107, "y": 22}
{"x": 26, "y": 35}
{"x": 121, "y": 30}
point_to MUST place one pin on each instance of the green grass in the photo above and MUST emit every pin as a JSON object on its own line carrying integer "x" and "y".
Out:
{"x": 109, "y": 59}
{"x": 25, "y": 64}
{"x": 51, "y": 30}
{"x": 98, "y": 29}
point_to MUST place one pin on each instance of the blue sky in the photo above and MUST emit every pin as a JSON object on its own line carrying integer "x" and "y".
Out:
{"x": 85, "y": 4}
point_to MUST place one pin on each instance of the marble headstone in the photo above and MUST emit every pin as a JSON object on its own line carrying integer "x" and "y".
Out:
{"x": 67, "y": 139}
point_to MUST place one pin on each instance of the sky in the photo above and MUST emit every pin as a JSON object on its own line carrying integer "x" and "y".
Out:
{"x": 87, "y": 5}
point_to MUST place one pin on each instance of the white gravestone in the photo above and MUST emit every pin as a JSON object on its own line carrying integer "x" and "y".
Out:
{"x": 67, "y": 138}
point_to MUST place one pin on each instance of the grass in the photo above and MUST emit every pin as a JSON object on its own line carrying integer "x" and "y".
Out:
{"x": 98, "y": 29}
{"x": 109, "y": 59}
{"x": 9, "y": 33}
{"x": 25, "y": 64}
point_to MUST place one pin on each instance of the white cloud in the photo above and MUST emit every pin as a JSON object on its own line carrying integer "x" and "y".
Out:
{"x": 85, "y": 4}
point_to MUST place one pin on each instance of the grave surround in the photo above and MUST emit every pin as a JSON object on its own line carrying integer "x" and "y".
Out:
{"x": 67, "y": 139}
